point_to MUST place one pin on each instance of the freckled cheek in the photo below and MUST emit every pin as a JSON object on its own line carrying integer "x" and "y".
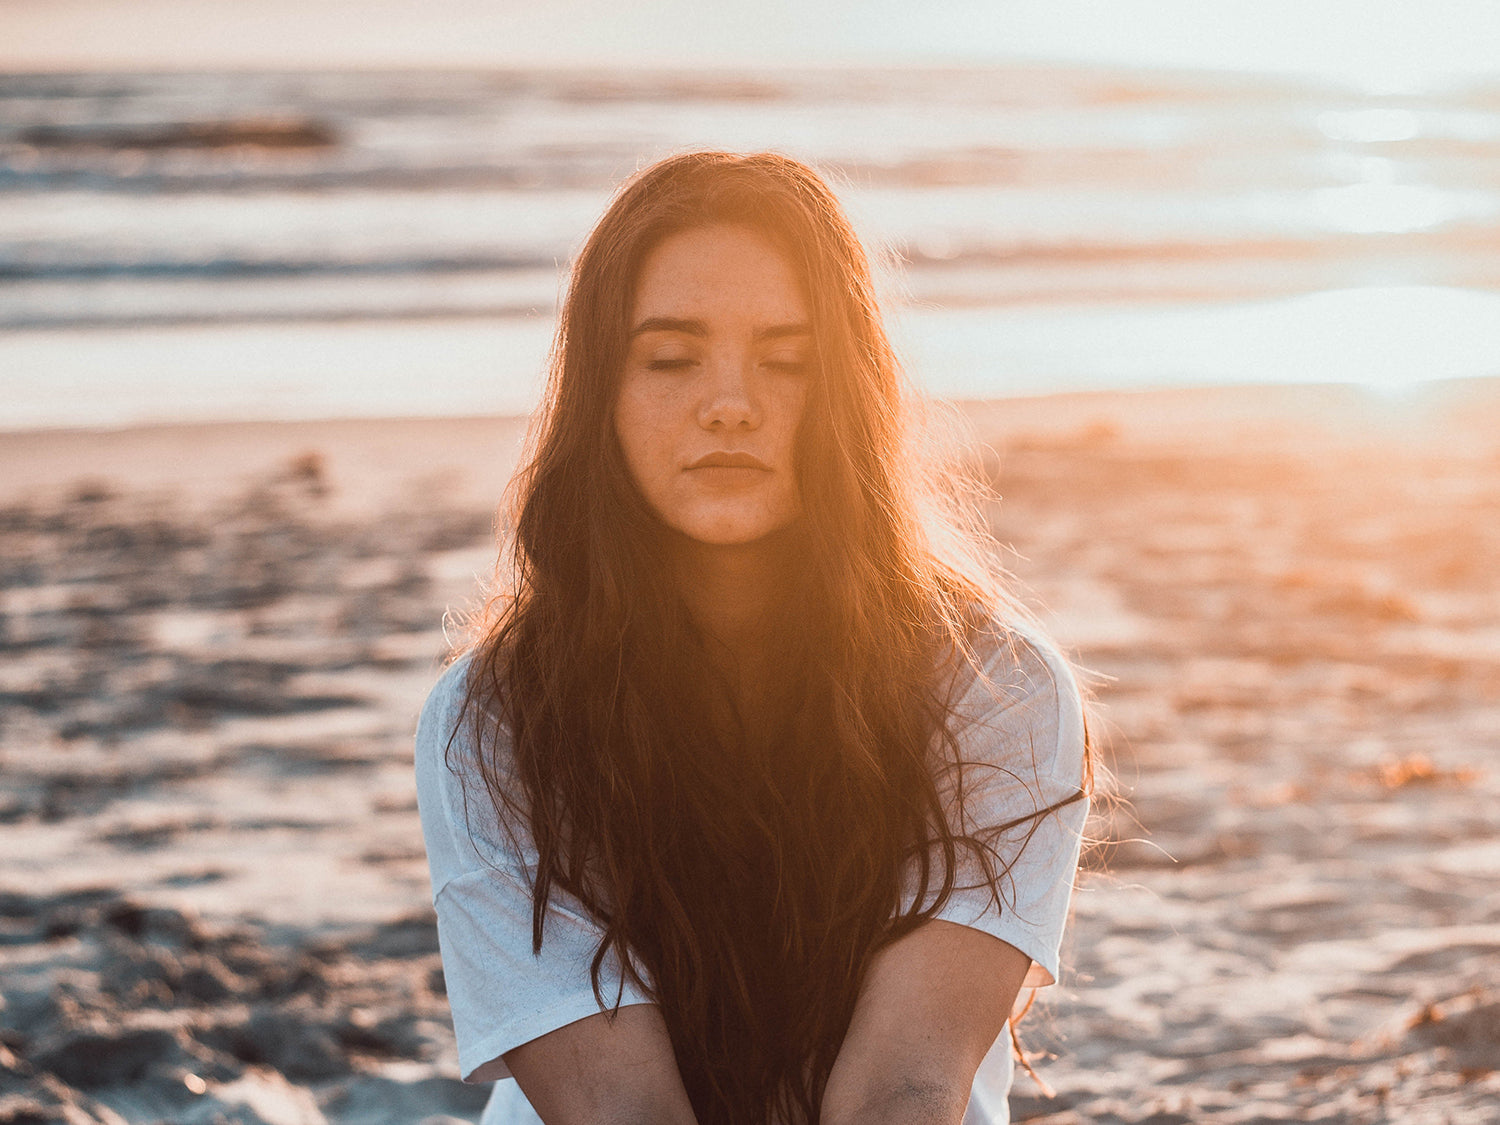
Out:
{"x": 640, "y": 411}
{"x": 791, "y": 432}
{"x": 636, "y": 448}
{"x": 652, "y": 410}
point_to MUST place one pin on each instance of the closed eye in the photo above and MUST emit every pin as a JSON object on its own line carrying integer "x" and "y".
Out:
{"x": 786, "y": 366}
{"x": 669, "y": 364}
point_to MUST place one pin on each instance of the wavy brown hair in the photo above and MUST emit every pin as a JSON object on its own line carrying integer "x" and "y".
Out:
{"x": 745, "y": 888}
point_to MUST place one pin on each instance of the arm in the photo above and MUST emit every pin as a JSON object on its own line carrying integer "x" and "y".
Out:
{"x": 934, "y": 1002}
{"x": 607, "y": 1069}
{"x": 516, "y": 1009}
{"x": 929, "y": 1010}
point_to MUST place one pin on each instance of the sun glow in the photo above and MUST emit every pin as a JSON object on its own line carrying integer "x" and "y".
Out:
{"x": 1369, "y": 126}
{"x": 1388, "y": 338}
{"x": 1372, "y": 208}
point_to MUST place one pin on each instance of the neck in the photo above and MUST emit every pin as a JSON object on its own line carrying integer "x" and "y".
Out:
{"x": 733, "y": 593}
{"x": 736, "y": 597}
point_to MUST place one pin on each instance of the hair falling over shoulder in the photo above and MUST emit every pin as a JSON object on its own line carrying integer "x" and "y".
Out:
{"x": 745, "y": 892}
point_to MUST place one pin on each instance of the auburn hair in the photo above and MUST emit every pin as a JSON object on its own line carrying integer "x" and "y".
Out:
{"x": 745, "y": 892}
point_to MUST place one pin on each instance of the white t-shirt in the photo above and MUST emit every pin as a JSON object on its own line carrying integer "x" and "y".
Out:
{"x": 1027, "y": 722}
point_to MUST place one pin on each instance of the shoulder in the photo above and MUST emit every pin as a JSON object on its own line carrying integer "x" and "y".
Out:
{"x": 441, "y": 726}
{"x": 445, "y": 700}
{"x": 456, "y": 733}
{"x": 1018, "y": 698}
{"x": 451, "y": 712}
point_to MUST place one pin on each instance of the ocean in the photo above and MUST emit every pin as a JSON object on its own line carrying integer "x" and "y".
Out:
{"x": 240, "y": 245}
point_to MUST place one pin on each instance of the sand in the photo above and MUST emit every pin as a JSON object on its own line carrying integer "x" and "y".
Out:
{"x": 214, "y": 903}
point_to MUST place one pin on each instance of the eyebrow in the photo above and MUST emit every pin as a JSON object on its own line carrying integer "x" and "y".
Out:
{"x": 698, "y": 328}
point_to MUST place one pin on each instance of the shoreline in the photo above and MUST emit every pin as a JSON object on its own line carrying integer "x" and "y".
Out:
{"x": 374, "y": 459}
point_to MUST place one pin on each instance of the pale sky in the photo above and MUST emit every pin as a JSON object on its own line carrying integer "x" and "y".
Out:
{"x": 1377, "y": 43}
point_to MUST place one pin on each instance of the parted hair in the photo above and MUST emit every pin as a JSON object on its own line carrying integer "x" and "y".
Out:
{"x": 744, "y": 888}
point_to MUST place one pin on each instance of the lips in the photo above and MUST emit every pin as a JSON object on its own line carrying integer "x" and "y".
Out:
{"x": 724, "y": 460}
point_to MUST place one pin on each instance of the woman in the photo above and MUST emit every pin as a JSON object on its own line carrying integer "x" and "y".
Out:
{"x": 751, "y": 763}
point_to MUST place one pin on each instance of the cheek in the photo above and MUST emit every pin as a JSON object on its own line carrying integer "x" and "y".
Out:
{"x": 793, "y": 411}
{"x": 798, "y": 408}
{"x": 639, "y": 431}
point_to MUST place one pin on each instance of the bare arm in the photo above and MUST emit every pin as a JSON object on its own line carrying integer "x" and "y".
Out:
{"x": 930, "y": 1008}
{"x": 604, "y": 1070}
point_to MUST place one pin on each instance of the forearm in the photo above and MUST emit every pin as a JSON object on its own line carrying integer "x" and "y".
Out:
{"x": 663, "y": 1112}
{"x": 908, "y": 1102}
{"x": 613, "y": 1068}
{"x": 931, "y": 1006}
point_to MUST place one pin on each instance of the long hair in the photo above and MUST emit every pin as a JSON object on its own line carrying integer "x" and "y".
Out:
{"x": 746, "y": 892}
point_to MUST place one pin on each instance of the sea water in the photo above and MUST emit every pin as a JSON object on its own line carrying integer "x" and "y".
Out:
{"x": 256, "y": 245}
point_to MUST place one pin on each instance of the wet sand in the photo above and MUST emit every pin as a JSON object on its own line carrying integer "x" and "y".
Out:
{"x": 216, "y": 638}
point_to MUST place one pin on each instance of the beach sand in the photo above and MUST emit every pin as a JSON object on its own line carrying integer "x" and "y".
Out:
{"x": 214, "y": 902}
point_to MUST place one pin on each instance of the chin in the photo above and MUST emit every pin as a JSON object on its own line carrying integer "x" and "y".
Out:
{"x": 728, "y": 537}
{"x": 729, "y": 533}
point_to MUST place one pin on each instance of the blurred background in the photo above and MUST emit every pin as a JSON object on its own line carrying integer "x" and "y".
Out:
{"x": 287, "y": 210}
{"x": 1215, "y": 286}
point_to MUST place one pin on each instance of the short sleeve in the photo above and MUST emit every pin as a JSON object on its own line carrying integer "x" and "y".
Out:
{"x": 501, "y": 993}
{"x": 1017, "y": 787}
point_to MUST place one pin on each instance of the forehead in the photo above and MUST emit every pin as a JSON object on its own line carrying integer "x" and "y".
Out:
{"x": 719, "y": 273}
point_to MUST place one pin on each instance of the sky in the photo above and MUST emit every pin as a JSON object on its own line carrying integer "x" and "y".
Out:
{"x": 1375, "y": 44}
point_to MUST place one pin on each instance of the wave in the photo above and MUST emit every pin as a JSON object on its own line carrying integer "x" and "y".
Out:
{"x": 354, "y": 313}
{"x": 242, "y": 197}
{"x": 277, "y": 133}
{"x": 235, "y": 267}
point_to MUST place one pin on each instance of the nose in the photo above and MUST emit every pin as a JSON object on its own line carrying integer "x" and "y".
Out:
{"x": 729, "y": 399}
